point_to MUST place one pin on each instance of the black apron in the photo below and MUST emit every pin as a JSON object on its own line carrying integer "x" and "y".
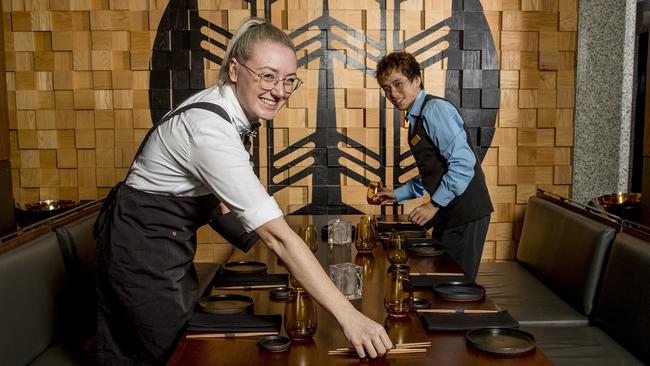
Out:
{"x": 147, "y": 285}
{"x": 473, "y": 204}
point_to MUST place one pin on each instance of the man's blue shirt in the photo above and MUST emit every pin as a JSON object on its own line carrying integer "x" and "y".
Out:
{"x": 444, "y": 125}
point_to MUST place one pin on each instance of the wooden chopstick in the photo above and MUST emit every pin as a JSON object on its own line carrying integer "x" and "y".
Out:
{"x": 411, "y": 345}
{"x": 228, "y": 335}
{"x": 401, "y": 346}
{"x": 437, "y": 274}
{"x": 458, "y": 311}
{"x": 398, "y": 345}
{"x": 394, "y": 351}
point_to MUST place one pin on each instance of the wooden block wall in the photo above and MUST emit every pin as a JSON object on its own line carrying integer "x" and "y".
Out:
{"x": 79, "y": 72}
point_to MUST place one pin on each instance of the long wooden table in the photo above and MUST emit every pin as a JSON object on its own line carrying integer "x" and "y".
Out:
{"x": 447, "y": 348}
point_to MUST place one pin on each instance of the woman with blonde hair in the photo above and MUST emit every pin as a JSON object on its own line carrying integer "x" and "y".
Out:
{"x": 192, "y": 161}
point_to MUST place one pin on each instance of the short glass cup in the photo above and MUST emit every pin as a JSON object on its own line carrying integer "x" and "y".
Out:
{"x": 364, "y": 239}
{"x": 348, "y": 278}
{"x": 397, "y": 252}
{"x": 339, "y": 232}
{"x": 398, "y": 294}
{"x": 374, "y": 187}
{"x": 367, "y": 261}
{"x": 307, "y": 233}
{"x": 372, "y": 221}
{"x": 300, "y": 316}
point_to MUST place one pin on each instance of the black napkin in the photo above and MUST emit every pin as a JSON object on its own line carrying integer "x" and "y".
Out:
{"x": 398, "y": 226}
{"x": 236, "y": 323}
{"x": 432, "y": 280}
{"x": 463, "y": 321}
{"x": 227, "y": 280}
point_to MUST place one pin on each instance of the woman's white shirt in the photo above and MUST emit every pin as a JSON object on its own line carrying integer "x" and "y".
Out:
{"x": 198, "y": 153}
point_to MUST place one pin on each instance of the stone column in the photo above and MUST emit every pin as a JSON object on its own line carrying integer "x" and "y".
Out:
{"x": 604, "y": 90}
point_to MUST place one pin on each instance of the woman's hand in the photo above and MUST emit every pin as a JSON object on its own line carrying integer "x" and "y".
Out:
{"x": 368, "y": 338}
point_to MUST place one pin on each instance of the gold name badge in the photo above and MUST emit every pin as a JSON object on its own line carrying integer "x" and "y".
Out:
{"x": 414, "y": 141}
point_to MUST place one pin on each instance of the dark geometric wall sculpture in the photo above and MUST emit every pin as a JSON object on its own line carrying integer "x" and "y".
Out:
{"x": 472, "y": 84}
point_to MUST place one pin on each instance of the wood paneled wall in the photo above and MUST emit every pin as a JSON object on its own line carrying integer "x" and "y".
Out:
{"x": 79, "y": 73}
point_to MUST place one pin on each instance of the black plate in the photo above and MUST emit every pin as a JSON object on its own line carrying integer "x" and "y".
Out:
{"x": 425, "y": 249}
{"x": 244, "y": 267}
{"x": 459, "y": 291}
{"x": 501, "y": 340}
{"x": 226, "y": 304}
{"x": 274, "y": 343}
{"x": 420, "y": 303}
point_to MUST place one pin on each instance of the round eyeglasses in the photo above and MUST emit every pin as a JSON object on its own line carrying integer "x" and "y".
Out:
{"x": 397, "y": 85}
{"x": 268, "y": 80}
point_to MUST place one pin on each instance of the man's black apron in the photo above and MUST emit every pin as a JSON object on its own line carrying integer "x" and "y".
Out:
{"x": 460, "y": 226}
{"x": 147, "y": 284}
{"x": 475, "y": 201}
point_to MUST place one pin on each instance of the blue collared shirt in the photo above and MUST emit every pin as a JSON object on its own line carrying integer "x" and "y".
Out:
{"x": 444, "y": 125}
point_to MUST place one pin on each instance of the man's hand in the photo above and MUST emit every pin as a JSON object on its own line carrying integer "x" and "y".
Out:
{"x": 423, "y": 213}
{"x": 368, "y": 338}
{"x": 385, "y": 195}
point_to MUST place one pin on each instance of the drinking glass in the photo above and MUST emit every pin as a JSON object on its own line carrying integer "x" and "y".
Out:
{"x": 398, "y": 294}
{"x": 339, "y": 232}
{"x": 300, "y": 316}
{"x": 399, "y": 329}
{"x": 367, "y": 261}
{"x": 372, "y": 221}
{"x": 348, "y": 278}
{"x": 374, "y": 187}
{"x": 307, "y": 233}
{"x": 397, "y": 253}
{"x": 364, "y": 239}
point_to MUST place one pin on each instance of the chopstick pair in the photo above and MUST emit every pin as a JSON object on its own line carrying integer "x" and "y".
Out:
{"x": 398, "y": 349}
{"x": 436, "y": 274}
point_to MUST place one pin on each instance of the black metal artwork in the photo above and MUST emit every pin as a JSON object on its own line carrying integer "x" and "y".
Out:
{"x": 472, "y": 84}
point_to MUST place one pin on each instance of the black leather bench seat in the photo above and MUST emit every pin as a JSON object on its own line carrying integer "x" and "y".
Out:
{"x": 581, "y": 346}
{"x": 559, "y": 262}
{"x": 33, "y": 285}
{"x": 514, "y": 288}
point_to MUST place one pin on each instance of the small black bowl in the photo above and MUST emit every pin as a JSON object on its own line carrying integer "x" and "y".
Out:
{"x": 274, "y": 343}
{"x": 420, "y": 303}
{"x": 281, "y": 293}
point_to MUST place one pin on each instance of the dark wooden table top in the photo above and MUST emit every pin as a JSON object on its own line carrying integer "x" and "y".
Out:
{"x": 447, "y": 348}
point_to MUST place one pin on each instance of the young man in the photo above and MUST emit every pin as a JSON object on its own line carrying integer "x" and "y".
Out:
{"x": 460, "y": 205}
